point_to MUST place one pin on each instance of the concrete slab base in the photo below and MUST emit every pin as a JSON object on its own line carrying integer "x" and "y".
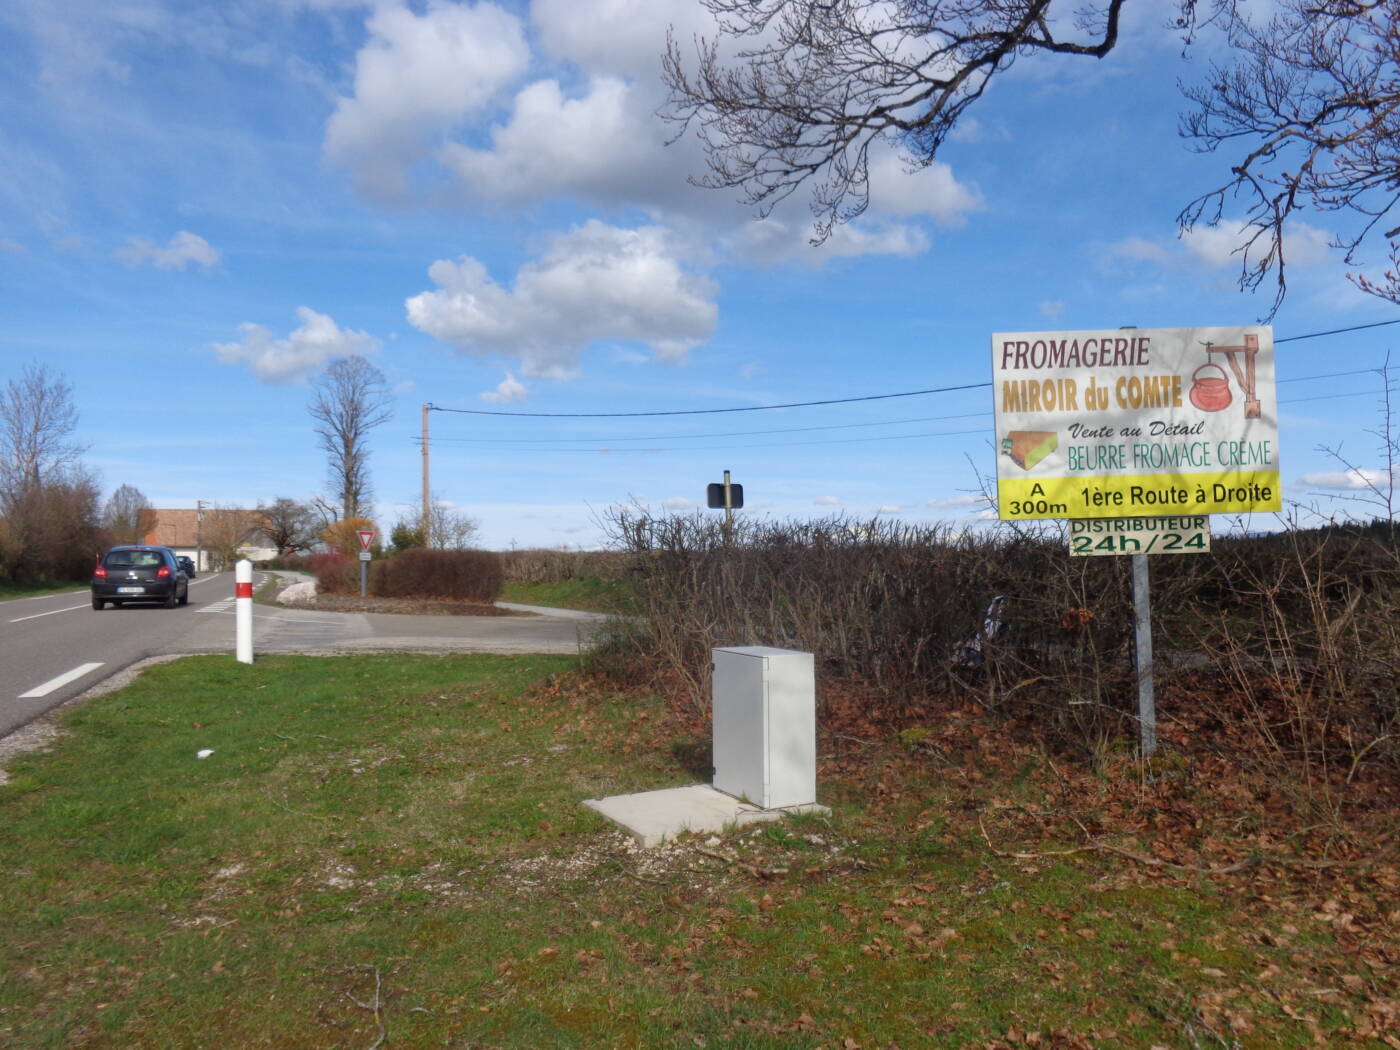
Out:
{"x": 652, "y": 817}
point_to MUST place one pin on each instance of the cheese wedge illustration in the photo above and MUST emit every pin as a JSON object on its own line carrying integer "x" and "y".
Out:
{"x": 1028, "y": 447}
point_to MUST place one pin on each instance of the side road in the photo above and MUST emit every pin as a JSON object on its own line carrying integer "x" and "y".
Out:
{"x": 291, "y": 629}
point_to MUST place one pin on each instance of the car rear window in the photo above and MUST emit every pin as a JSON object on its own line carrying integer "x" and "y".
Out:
{"x": 133, "y": 560}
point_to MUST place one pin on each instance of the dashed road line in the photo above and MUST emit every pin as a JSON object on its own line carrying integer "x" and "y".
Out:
{"x": 59, "y": 682}
{"x": 51, "y": 612}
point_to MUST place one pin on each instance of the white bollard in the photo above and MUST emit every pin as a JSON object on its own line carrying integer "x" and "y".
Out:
{"x": 243, "y": 609}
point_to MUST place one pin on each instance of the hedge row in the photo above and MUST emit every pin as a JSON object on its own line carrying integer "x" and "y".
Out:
{"x": 417, "y": 573}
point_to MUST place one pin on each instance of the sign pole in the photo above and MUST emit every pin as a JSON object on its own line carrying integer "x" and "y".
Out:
{"x": 1147, "y": 704}
{"x": 366, "y": 539}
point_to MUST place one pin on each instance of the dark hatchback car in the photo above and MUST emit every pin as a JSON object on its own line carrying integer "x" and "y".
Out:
{"x": 139, "y": 574}
{"x": 186, "y": 563}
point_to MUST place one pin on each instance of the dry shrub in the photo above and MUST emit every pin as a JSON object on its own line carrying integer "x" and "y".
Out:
{"x": 423, "y": 573}
{"x": 1307, "y": 638}
{"x": 902, "y": 611}
{"x": 335, "y": 573}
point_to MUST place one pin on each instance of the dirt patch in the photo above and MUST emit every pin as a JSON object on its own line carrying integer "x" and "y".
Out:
{"x": 405, "y": 606}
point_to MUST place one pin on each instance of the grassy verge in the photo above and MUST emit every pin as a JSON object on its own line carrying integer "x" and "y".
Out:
{"x": 606, "y": 596}
{"x": 37, "y": 590}
{"x": 389, "y": 850}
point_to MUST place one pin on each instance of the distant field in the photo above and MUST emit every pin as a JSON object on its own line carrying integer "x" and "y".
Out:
{"x": 606, "y": 596}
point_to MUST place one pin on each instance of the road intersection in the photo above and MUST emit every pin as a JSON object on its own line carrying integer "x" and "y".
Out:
{"x": 56, "y": 647}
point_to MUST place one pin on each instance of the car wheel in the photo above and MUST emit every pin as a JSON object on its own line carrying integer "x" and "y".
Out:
{"x": 98, "y": 603}
{"x": 185, "y": 598}
{"x": 172, "y": 599}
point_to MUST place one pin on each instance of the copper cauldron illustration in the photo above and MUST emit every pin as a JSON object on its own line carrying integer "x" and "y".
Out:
{"x": 1210, "y": 393}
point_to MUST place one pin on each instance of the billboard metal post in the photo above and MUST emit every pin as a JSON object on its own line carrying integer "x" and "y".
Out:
{"x": 1147, "y": 703}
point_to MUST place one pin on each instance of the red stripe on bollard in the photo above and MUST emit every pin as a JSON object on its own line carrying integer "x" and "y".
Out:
{"x": 242, "y": 590}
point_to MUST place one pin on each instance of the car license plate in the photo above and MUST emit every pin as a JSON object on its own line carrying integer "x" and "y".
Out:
{"x": 131, "y": 590}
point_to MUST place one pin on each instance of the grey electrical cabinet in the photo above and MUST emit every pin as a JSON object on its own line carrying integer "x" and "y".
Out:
{"x": 765, "y": 726}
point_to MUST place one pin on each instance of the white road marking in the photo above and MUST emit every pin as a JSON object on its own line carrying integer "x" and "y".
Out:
{"x": 59, "y": 682}
{"x": 51, "y": 612}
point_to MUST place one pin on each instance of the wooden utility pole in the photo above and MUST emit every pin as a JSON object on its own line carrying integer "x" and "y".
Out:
{"x": 427, "y": 504}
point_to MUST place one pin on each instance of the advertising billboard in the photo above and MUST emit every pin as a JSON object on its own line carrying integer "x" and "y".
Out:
{"x": 1135, "y": 422}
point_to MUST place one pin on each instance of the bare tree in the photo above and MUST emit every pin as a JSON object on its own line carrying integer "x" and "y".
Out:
{"x": 37, "y": 420}
{"x": 817, "y": 83}
{"x": 127, "y": 515}
{"x": 1309, "y": 101}
{"x": 290, "y": 524}
{"x": 1376, "y": 487}
{"x": 350, "y": 400}
{"x": 1310, "y": 105}
{"x": 224, "y": 531}
{"x": 448, "y": 528}
{"x": 48, "y": 500}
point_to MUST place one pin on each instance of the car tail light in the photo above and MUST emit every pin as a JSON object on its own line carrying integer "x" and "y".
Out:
{"x": 163, "y": 572}
{"x": 100, "y": 572}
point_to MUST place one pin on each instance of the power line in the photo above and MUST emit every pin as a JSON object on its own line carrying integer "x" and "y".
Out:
{"x": 527, "y": 444}
{"x": 841, "y": 400}
{"x": 714, "y": 448}
{"x": 705, "y": 411}
{"x": 1334, "y": 331}
{"x": 726, "y": 433}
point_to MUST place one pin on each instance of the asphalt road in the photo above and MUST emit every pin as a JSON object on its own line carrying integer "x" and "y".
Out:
{"x": 57, "y": 647}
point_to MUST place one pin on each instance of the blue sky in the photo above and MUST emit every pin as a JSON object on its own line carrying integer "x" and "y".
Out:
{"x": 204, "y": 203}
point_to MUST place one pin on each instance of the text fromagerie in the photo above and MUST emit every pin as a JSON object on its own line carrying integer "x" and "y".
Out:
{"x": 1091, "y": 352}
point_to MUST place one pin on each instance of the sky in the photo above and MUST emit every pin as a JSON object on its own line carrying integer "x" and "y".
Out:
{"x": 205, "y": 203}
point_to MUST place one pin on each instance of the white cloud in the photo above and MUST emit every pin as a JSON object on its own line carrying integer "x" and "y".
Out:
{"x": 306, "y": 350}
{"x": 617, "y": 36}
{"x": 597, "y": 282}
{"x": 507, "y": 392}
{"x": 750, "y": 370}
{"x": 418, "y": 78}
{"x": 932, "y": 191}
{"x": 889, "y": 508}
{"x": 765, "y": 242}
{"x": 1217, "y": 247}
{"x": 827, "y": 501}
{"x": 678, "y": 503}
{"x": 183, "y": 249}
{"x": 1347, "y": 480}
{"x": 1051, "y": 308}
{"x": 1139, "y": 249}
{"x": 606, "y": 146}
{"x": 952, "y": 502}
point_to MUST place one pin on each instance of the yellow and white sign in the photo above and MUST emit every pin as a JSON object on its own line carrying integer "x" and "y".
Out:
{"x": 1136, "y": 422}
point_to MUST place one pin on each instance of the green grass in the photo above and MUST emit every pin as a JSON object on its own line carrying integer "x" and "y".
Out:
{"x": 608, "y": 596}
{"x": 36, "y": 590}
{"x": 414, "y": 821}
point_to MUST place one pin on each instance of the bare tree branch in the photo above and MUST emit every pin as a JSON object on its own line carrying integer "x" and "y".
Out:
{"x": 796, "y": 92}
